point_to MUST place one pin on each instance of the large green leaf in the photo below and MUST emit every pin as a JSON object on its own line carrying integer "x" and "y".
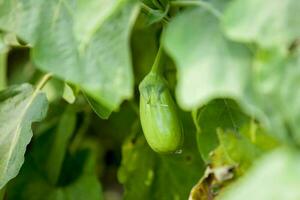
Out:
{"x": 276, "y": 78}
{"x": 19, "y": 107}
{"x": 85, "y": 43}
{"x": 219, "y": 114}
{"x": 275, "y": 177}
{"x": 270, "y": 23}
{"x": 148, "y": 175}
{"x": 209, "y": 65}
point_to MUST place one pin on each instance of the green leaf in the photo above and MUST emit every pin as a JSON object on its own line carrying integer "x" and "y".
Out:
{"x": 274, "y": 24}
{"x": 26, "y": 184}
{"x": 251, "y": 141}
{"x": 84, "y": 43}
{"x": 237, "y": 151}
{"x": 102, "y": 111}
{"x": 209, "y": 66}
{"x": 276, "y": 78}
{"x": 86, "y": 187}
{"x": 59, "y": 143}
{"x": 275, "y": 177}
{"x": 20, "y": 106}
{"x": 140, "y": 160}
{"x": 148, "y": 175}
{"x": 57, "y": 173}
{"x": 219, "y": 114}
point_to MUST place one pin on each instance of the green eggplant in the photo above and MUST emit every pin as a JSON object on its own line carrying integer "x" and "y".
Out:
{"x": 158, "y": 113}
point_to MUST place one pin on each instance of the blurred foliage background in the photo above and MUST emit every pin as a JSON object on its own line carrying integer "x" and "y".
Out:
{"x": 232, "y": 67}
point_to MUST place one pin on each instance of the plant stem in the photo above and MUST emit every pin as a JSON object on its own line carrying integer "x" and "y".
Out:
{"x": 40, "y": 86}
{"x": 201, "y": 3}
{"x": 155, "y": 67}
{"x": 145, "y": 7}
{"x": 43, "y": 81}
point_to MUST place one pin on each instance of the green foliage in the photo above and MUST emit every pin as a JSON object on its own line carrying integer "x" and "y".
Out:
{"x": 274, "y": 177}
{"x": 226, "y": 74}
{"x": 219, "y": 114}
{"x": 266, "y": 27}
{"x": 20, "y": 106}
{"x": 148, "y": 175}
{"x": 67, "y": 43}
{"x": 209, "y": 65}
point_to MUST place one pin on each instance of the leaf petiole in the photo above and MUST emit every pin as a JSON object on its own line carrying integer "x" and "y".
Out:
{"x": 155, "y": 67}
{"x": 43, "y": 81}
{"x": 149, "y": 10}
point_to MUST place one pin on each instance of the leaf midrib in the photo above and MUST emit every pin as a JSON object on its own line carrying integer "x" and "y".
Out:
{"x": 17, "y": 135}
